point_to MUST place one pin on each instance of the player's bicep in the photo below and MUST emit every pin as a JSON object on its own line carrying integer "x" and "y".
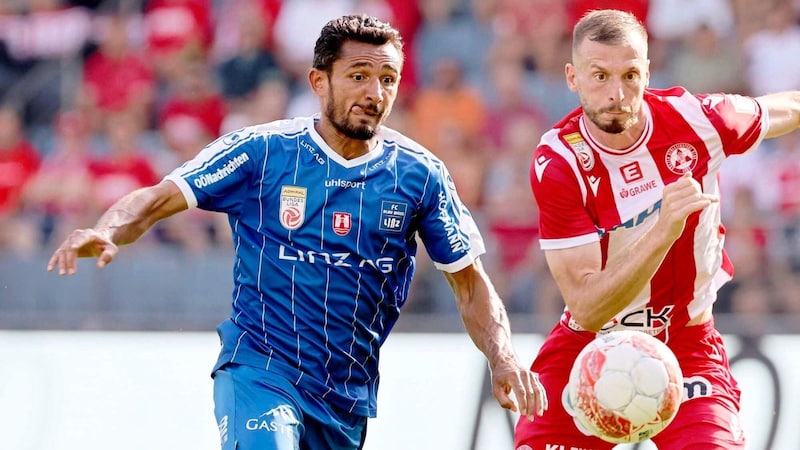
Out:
{"x": 572, "y": 267}
{"x": 783, "y": 111}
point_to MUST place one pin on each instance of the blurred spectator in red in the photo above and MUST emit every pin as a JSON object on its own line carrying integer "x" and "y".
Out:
{"x": 117, "y": 76}
{"x": 406, "y": 17}
{"x": 448, "y": 102}
{"x": 512, "y": 216}
{"x": 123, "y": 167}
{"x": 577, "y": 8}
{"x": 227, "y": 37}
{"x": 19, "y": 161}
{"x": 537, "y": 22}
{"x": 193, "y": 112}
{"x": 177, "y": 31}
{"x": 508, "y": 102}
{"x": 60, "y": 195}
{"x": 43, "y": 47}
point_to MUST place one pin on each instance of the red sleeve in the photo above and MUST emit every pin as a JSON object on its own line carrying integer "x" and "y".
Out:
{"x": 562, "y": 210}
{"x": 738, "y": 119}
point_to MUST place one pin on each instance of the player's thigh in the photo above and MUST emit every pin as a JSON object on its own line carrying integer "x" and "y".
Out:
{"x": 253, "y": 415}
{"x": 338, "y": 434}
{"x": 708, "y": 423}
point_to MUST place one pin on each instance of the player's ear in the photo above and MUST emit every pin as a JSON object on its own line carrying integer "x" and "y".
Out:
{"x": 318, "y": 81}
{"x": 569, "y": 73}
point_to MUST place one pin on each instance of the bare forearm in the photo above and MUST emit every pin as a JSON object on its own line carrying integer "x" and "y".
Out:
{"x": 485, "y": 319}
{"x": 606, "y": 292}
{"x": 135, "y": 213}
{"x": 488, "y": 327}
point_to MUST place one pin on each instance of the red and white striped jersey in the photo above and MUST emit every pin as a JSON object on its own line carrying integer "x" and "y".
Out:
{"x": 588, "y": 193}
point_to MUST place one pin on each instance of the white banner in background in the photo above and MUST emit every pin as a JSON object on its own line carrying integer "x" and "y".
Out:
{"x": 130, "y": 391}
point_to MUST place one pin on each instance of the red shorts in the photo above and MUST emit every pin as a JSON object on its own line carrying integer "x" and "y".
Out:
{"x": 707, "y": 419}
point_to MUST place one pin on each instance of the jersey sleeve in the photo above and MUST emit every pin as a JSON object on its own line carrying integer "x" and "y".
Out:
{"x": 564, "y": 220}
{"x": 739, "y": 120}
{"x": 447, "y": 228}
{"x": 218, "y": 178}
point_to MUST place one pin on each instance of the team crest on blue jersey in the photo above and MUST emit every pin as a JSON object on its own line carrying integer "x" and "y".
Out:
{"x": 342, "y": 222}
{"x": 293, "y": 206}
{"x": 393, "y": 216}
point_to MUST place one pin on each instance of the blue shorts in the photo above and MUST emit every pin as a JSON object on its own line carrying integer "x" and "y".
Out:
{"x": 258, "y": 410}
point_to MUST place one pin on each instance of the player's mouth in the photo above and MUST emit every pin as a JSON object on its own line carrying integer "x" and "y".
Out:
{"x": 366, "y": 111}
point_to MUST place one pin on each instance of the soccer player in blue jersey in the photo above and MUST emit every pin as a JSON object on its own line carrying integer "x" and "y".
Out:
{"x": 325, "y": 212}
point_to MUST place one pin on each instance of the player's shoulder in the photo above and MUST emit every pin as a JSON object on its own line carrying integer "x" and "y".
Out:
{"x": 653, "y": 94}
{"x": 406, "y": 147}
{"x": 562, "y": 134}
{"x": 283, "y": 127}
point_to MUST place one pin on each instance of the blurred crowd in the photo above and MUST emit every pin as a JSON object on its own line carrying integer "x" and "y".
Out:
{"x": 99, "y": 97}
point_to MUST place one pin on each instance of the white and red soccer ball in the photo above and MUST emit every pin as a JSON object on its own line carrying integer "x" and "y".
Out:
{"x": 624, "y": 387}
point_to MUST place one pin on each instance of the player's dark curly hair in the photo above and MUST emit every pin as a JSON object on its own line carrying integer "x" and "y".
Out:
{"x": 359, "y": 28}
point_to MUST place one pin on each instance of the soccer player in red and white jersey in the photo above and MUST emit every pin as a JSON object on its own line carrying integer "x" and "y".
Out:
{"x": 630, "y": 226}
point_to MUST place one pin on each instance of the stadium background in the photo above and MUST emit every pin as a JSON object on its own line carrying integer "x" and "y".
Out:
{"x": 98, "y": 97}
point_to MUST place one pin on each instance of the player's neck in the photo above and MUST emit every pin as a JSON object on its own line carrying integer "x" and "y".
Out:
{"x": 347, "y": 147}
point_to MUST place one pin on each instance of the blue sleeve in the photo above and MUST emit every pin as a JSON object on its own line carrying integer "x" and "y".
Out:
{"x": 223, "y": 175}
{"x": 447, "y": 229}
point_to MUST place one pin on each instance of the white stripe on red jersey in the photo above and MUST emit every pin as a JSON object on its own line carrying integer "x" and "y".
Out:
{"x": 588, "y": 193}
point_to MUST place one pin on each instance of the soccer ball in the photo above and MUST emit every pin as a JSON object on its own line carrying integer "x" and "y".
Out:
{"x": 624, "y": 387}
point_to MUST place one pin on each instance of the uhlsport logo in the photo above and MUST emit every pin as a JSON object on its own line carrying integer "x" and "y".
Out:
{"x": 293, "y": 207}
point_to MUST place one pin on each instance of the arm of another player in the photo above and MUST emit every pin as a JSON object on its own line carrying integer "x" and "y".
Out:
{"x": 123, "y": 223}
{"x": 594, "y": 294}
{"x": 486, "y": 321}
{"x": 783, "y": 109}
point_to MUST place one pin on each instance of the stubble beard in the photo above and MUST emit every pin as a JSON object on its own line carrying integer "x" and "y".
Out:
{"x": 347, "y": 128}
{"x": 615, "y": 126}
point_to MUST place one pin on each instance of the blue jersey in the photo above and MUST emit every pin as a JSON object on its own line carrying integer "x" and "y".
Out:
{"x": 324, "y": 248}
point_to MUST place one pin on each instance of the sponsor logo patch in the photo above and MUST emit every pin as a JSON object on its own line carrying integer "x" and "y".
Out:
{"x": 293, "y": 207}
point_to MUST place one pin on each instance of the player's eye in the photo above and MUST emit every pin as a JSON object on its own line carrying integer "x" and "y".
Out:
{"x": 358, "y": 77}
{"x": 632, "y": 76}
{"x": 388, "y": 80}
{"x": 600, "y": 76}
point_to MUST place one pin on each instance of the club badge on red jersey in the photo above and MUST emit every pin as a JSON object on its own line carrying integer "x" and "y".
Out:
{"x": 681, "y": 158}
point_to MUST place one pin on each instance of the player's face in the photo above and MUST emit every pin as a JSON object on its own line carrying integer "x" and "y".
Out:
{"x": 610, "y": 81}
{"x": 361, "y": 89}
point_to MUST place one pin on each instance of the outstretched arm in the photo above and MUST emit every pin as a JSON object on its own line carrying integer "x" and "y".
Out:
{"x": 783, "y": 109}
{"x": 486, "y": 321}
{"x": 123, "y": 223}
